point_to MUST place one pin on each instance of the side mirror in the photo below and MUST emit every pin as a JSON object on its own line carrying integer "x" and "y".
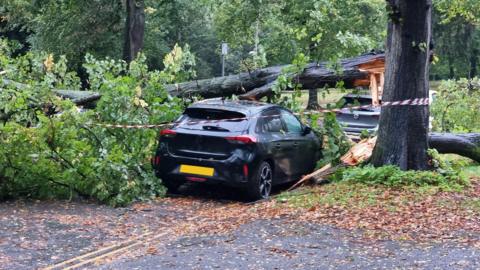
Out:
{"x": 306, "y": 130}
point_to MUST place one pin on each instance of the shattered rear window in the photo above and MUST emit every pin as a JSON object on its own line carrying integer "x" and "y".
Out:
{"x": 213, "y": 119}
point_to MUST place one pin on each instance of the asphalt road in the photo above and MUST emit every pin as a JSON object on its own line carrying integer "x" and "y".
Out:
{"x": 203, "y": 232}
{"x": 276, "y": 244}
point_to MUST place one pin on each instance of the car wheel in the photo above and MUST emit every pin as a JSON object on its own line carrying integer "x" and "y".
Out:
{"x": 172, "y": 185}
{"x": 260, "y": 185}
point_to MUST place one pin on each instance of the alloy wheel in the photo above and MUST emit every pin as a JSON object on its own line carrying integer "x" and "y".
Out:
{"x": 265, "y": 183}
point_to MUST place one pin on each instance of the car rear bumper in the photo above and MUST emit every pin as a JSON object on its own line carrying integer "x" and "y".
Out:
{"x": 230, "y": 171}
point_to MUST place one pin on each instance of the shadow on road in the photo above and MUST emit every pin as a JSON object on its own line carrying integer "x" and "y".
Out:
{"x": 219, "y": 192}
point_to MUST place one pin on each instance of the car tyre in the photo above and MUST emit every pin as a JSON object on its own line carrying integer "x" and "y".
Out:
{"x": 260, "y": 185}
{"x": 172, "y": 185}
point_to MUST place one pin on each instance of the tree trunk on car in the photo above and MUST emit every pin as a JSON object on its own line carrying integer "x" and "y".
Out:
{"x": 403, "y": 130}
{"x": 257, "y": 84}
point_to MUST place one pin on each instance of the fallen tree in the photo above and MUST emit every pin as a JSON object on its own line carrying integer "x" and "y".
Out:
{"x": 257, "y": 84}
{"x": 467, "y": 144}
{"x": 80, "y": 98}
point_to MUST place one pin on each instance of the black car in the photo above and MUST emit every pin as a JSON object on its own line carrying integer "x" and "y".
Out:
{"x": 243, "y": 144}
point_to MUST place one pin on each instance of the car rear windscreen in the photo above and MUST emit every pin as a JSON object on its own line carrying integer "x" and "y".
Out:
{"x": 213, "y": 120}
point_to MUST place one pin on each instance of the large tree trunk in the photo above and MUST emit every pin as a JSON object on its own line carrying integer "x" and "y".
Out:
{"x": 134, "y": 29}
{"x": 258, "y": 84}
{"x": 402, "y": 135}
{"x": 467, "y": 145}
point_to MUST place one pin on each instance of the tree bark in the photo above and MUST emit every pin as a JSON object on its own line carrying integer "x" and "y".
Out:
{"x": 473, "y": 63}
{"x": 402, "y": 135}
{"x": 258, "y": 84}
{"x": 134, "y": 29}
{"x": 313, "y": 99}
{"x": 467, "y": 145}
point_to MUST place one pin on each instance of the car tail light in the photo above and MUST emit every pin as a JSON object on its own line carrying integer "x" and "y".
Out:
{"x": 168, "y": 133}
{"x": 247, "y": 139}
{"x": 155, "y": 160}
{"x": 245, "y": 170}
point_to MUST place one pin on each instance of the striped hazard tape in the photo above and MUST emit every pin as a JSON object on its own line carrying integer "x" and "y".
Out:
{"x": 407, "y": 102}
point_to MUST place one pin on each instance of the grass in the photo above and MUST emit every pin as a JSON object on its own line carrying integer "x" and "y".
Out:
{"x": 328, "y": 195}
{"x": 325, "y": 97}
{"x": 467, "y": 166}
{"x": 355, "y": 195}
{"x": 333, "y": 95}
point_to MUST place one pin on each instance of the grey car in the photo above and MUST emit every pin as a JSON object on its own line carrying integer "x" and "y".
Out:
{"x": 356, "y": 121}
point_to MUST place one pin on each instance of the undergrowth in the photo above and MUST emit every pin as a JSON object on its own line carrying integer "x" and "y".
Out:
{"x": 392, "y": 176}
{"x": 444, "y": 174}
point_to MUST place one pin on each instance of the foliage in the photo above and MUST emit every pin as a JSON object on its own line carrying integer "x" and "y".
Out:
{"x": 50, "y": 148}
{"x": 288, "y": 80}
{"x": 455, "y": 108}
{"x": 457, "y": 45}
{"x": 182, "y": 22}
{"x": 180, "y": 64}
{"x": 443, "y": 175}
{"x": 77, "y": 28}
{"x": 468, "y": 9}
{"x": 394, "y": 177}
{"x": 336, "y": 143}
{"x": 258, "y": 31}
{"x": 323, "y": 30}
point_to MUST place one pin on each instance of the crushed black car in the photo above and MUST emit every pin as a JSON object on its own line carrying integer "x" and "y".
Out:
{"x": 244, "y": 144}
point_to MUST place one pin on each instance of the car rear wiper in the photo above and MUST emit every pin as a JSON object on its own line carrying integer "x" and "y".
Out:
{"x": 216, "y": 128}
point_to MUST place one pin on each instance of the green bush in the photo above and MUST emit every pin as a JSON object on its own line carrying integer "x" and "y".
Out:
{"x": 444, "y": 175}
{"x": 456, "y": 106}
{"x": 50, "y": 149}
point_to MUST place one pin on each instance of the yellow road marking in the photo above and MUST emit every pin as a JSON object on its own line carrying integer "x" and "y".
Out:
{"x": 134, "y": 239}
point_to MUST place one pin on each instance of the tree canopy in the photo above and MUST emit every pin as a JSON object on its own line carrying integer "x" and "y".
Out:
{"x": 259, "y": 32}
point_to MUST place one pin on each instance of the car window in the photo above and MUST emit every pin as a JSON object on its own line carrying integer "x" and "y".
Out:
{"x": 292, "y": 123}
{"x": 270, "y": 121}
{"x": 213, "y": 119}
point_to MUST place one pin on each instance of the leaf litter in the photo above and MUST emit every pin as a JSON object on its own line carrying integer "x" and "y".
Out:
{"x": 41, "y": 233}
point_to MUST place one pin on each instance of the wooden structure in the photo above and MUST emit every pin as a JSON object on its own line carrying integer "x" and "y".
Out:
{"x": 375, "y": 79}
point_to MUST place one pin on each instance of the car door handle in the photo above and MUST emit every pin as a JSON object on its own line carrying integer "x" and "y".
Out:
{"x": 295, "y": 144}
{"x": 278, "y": 145}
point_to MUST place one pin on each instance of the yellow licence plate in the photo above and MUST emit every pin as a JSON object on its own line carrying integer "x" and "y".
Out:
{"x": 206, "y": 171}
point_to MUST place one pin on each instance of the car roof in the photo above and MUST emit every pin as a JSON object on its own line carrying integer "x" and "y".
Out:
{"x": 243, "y": 106}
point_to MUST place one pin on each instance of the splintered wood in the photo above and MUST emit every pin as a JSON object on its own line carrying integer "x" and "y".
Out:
{"x": 356, "y": 155}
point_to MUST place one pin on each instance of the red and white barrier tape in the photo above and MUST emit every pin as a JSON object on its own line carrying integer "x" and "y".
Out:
{"x": 407, "y": 102}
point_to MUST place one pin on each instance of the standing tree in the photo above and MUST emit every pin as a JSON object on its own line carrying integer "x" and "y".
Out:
{"x": 134, "y": 29}
{"x": 403, "y": 131}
